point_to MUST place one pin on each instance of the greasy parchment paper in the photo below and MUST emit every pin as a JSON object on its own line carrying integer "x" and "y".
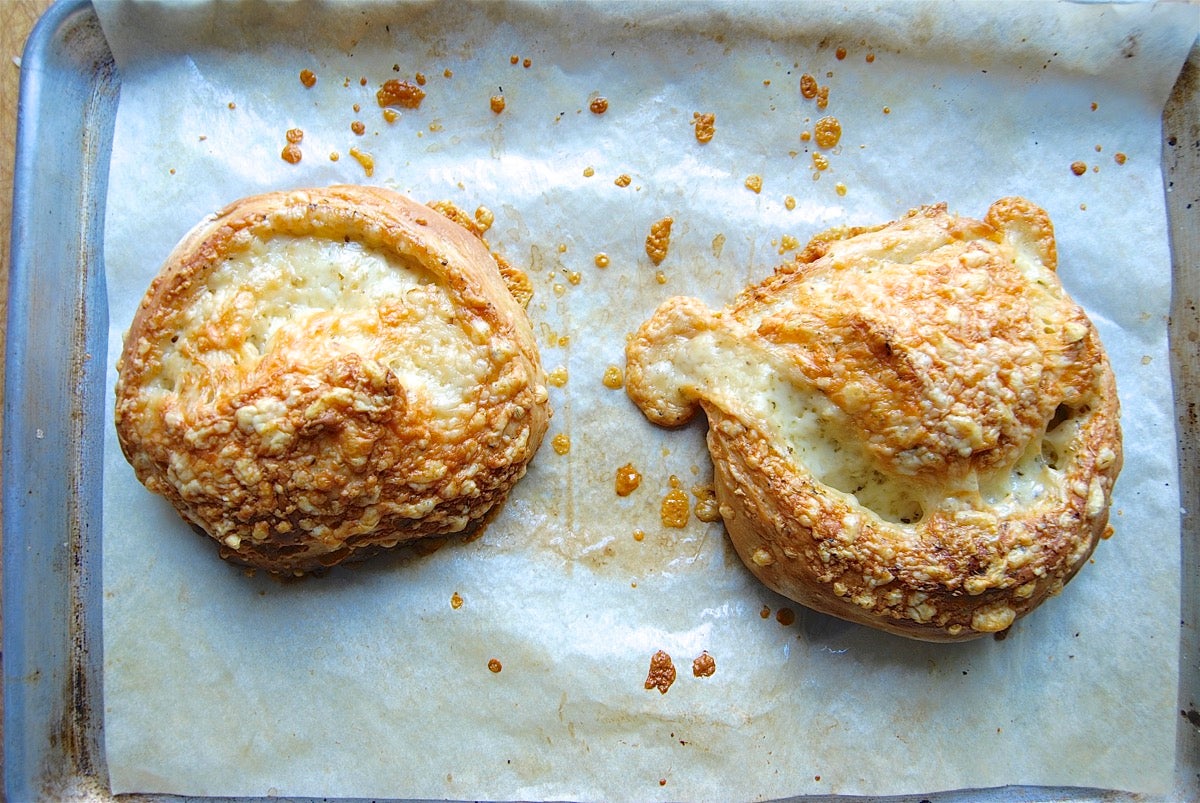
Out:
{"x": 368, "y": 682}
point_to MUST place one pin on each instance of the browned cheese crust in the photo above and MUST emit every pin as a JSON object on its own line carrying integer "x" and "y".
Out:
{"x": 319, "y": 373}
{"x": 912, "y": 426}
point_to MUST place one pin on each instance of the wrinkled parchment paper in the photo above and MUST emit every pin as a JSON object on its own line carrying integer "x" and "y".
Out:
{"x": 368, "y": 682}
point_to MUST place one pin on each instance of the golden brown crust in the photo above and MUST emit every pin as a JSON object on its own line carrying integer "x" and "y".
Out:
{"x": 972, "y": 396}
{"x": 300, "y": 422}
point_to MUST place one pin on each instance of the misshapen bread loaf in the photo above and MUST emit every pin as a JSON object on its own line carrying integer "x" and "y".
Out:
{"x": 912, "y": 425}
{"x": 319, "y": 373}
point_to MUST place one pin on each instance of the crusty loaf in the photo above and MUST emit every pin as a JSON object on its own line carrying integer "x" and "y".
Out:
{"x": 912, "y": 425}
{"x": 318, "y": 373}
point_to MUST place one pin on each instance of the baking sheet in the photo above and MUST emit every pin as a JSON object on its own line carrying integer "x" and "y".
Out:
{"x": 368, "y": 682}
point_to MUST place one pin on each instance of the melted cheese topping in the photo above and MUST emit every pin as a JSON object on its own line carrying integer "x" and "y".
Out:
{"x": 293, "y": 303}
{"x": 730, "y": 373}
{"x": 723, "y": 362}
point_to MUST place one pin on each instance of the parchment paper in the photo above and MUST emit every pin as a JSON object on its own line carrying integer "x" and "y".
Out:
{"x": 368, "y": 682}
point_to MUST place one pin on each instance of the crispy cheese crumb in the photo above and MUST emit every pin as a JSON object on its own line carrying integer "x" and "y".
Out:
{"x": 400, "y": 93}
{"x": 614, "y": 377}
{"x": 661, "y": 674}
{"x": 658, "y": 241}
{"x": 628, "y": 480}
{"x": 674, "y": 509}
{"x": 365, "y": 159}
{"x": 704, "y": 665}
{"x": 808, "y": 86}
{"x": 827, "y": 132}
{"x": 706, "y": 508}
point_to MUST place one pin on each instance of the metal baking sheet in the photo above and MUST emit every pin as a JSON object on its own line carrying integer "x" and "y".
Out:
{"x": 54, "y": 420}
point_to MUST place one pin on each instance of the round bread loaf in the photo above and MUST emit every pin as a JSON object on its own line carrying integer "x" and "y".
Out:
{"x": 319, "y": 373}
{"x": 912, "y": 426}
